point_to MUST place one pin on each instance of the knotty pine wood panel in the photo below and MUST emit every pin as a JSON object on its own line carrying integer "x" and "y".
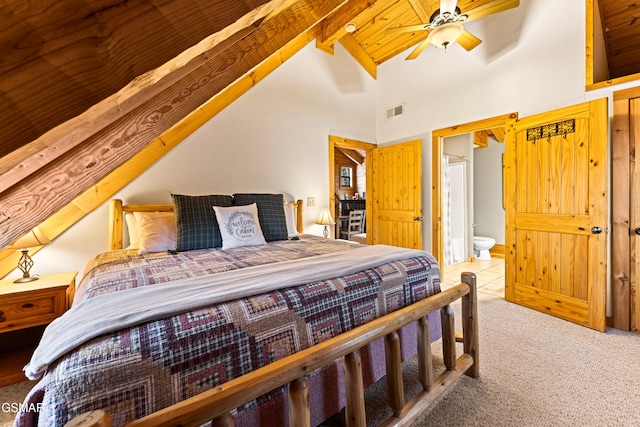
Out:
{"x": 555, "y": 267}
{"x": 582, "y": 162}
{"x": 621, "y": 36}
{"x": 77, "y": 53}
{"x": 568, "y": 308}
{"x": 558, "y": 260}
{"x": 58, "y": 183}
{"x": 333, "y": 27}
{"x": 396, "y": 194}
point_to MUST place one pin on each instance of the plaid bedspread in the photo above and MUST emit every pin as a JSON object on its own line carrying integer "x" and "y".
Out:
{"x": 142, "y": 369}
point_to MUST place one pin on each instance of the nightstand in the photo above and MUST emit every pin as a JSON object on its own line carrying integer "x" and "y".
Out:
{"x": 25, "y": 310}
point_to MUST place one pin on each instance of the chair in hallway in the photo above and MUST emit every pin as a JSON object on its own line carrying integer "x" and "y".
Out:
{"x": 354, "y": 225}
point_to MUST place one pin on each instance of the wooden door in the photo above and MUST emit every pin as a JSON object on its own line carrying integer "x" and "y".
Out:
{"x": 396, "y": 190}
{"x": 556, "y": 212}
{"x": 634, "y": 217}
{"x": 625, "y": 256}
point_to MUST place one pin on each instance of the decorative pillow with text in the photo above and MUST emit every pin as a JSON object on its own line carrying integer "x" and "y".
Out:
{"x": 239, "y": 226}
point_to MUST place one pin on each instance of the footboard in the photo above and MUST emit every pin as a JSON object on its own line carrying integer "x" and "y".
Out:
{"x": 215, "y": 404}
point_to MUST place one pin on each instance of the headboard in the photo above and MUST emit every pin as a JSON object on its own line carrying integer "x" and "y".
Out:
{"x": 117, "y": 210}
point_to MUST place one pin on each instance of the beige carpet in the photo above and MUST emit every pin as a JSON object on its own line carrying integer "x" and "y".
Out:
{"x": 536, "y": 370}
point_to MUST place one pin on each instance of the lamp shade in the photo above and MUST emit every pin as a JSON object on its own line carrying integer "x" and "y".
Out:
{"x": 31, "y": 239}
{"x": 325, "y": 218}
{"x": 445, "y": 34}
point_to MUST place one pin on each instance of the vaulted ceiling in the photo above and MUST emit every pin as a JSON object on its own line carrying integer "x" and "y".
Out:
{"x": 88, "y": 85}
{"x": 92, "y": 91}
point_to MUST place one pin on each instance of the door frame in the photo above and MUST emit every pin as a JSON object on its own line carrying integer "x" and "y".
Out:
{"x": 341, "y": 142}
{"x": 437, "y": 147}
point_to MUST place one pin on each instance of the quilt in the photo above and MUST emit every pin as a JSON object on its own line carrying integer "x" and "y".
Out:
{"x": 141, "y": 369}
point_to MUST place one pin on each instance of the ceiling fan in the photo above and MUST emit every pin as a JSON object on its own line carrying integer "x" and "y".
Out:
{"x": 445, "y": 25}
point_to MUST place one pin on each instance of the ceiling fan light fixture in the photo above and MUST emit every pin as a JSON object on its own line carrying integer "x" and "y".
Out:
{"x": 445, "y": 34}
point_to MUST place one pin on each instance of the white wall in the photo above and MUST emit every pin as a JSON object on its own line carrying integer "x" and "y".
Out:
{"x": 273, "y": 139}
{"x": 488, "y": 210}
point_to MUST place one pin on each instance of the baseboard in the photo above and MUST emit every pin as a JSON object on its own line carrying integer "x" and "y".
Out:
{"x": 498, "y": 251}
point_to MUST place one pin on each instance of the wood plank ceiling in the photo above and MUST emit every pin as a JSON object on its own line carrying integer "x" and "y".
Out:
{"x": 621, "y": 28}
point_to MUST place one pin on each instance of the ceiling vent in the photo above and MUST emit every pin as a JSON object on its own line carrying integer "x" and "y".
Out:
{"x": 395, "y": 111}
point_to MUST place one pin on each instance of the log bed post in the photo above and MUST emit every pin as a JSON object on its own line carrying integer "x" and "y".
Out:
{"x": 470, "y": 324}
{"x": 448, "y": 337}
{"x": 354, "y": 390}
{"x": 299, "y": 410}
{"x": 393, "y": 359}
{"x": 425, "y": 357}
{"x": 224, "y": 420}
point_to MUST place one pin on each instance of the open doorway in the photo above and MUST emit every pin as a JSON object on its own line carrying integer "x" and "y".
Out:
{"x": 349, "y": 180}
{"x": 468, "y": 213}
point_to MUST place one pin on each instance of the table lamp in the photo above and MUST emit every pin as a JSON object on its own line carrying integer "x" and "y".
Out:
{"x": 29, "y": 240}
{"x": 326, "y": 220}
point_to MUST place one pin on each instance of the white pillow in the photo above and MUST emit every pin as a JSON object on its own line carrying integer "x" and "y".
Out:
{"x": 156, "y": 231}
{"x": 132, "y": 230}
{"x": 290, "y": 218}
{"x": 239, "y": 226}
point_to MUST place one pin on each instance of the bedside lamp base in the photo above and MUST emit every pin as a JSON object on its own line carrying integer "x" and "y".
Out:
{"x": 26, "y": 279}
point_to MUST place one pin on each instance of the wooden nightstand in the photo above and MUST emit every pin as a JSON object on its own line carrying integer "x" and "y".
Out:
{"x": 25, "y": 310}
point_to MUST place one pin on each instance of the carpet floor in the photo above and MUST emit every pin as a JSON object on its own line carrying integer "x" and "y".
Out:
{"x": 535, "y": 370}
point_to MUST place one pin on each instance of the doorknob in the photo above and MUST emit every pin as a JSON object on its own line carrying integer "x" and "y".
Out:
{"x": 638, "y": 230}
{"x": 596, "y": 230}
{"x": 417, "y": 218}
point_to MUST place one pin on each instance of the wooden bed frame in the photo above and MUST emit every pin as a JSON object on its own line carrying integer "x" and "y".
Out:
{"x": 216, "y": 404}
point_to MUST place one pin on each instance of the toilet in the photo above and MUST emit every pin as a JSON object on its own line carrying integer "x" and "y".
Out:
{"x": 481, "y": 246}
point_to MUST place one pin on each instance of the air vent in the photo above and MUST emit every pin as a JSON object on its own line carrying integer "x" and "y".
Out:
{"x": 395, "y": 111}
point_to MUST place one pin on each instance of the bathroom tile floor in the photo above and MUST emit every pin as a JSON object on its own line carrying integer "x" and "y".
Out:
{"x": 489, "y": 275}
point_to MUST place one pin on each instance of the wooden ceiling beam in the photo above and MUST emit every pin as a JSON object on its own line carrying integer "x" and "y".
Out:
{"x": 499, "y": 134}
{"x": 357, "y": 12}
{"x": 353, "y": 47}
{"x": 480, "y": 139}
{"x": 352, "y": 155}
{"x": 53, "y": 188}
{"x": 423, "y": 9}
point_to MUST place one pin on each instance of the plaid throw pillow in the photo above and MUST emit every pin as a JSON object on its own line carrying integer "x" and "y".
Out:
{"x": 196, "y": 225}
{"x": 270, "y": 213}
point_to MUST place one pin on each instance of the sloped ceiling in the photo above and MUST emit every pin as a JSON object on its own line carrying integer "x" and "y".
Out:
{"x": 87, "y": 85}
{"x": 621, "y": 27}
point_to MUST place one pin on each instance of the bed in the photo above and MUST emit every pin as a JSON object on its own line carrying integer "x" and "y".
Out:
{"x": 297, "y": 352}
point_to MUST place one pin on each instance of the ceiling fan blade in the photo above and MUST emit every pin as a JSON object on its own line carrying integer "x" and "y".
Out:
{"x": 496, "y": 6}
{"x": 418, "y": 50}
{"x": 448, "y": 6}
{"x": 468, "y": 41}
{"x": 407, "y": 29}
